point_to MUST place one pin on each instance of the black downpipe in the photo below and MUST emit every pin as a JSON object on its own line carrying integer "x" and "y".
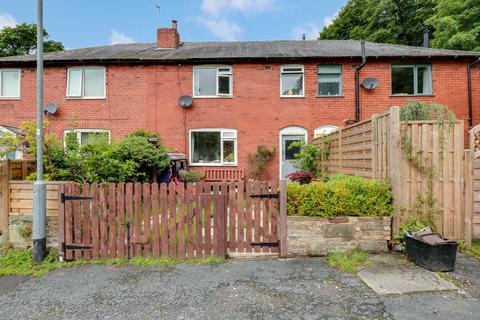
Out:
{"x": 357, "y": 82}
{"x": 470, "y": 98}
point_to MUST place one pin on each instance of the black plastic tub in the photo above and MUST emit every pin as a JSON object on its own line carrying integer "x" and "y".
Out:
{"x": 433, "y": 257}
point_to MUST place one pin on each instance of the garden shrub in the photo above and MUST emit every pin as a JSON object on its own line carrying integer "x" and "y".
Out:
{"x": 340, "y": 196}
{"x": 411, "y": 226}
{"x": 190, "y": 175}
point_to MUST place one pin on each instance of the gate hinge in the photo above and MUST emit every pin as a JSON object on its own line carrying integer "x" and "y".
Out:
{"x": 265, "y": 244}
{"x": 75, "y": 247}
{"x": 265, "y": 196}
{"x": 70, "y": 198}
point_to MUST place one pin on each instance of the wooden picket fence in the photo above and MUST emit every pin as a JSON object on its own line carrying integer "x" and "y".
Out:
{"x": 181, "y": 222}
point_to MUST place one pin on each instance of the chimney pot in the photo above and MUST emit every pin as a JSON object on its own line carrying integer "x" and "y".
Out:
{"x": 174, "y": 24}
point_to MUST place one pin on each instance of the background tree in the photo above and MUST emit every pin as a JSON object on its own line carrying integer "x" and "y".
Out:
{"x": 457, "y": 24}
{"x": 387, "y": 21}
{"x": 22, "y": 40}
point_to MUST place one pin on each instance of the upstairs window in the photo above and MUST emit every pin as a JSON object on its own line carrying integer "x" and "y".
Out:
{"x": 86, "y": 82}
{"x": 86, "y": 136}
{"x": 212, "y": 81}
{"x": 292, "y": 81}
{"x": 411, "y": 79}
{"x": 9, "y": 83}
{"x": 213, "y": 147}
{"x": 329, "y": 80}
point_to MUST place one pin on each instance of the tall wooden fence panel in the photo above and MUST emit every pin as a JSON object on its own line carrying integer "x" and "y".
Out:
{"x": 192, "y": 221}
{"x": 475, "y": 156}
{"x": 350, "y": 150}
{"x": 423, "y": 160}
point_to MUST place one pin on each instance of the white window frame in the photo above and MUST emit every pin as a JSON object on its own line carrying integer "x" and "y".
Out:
{"x": 79, "y": 134}
{"x": 415, "y": 79}
{"x": 222, "y": 139}
{"x": 340, "y": 83}
{"x": 82, "y": 89}
{"x": 284, "y": 70}
{"x": 19, "y": 83}
{"x": 288, "y": 131}
{"x": 218, "y": 73}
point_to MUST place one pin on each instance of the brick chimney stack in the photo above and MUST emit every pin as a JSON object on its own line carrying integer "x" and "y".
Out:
{"x": 168, "y": 38}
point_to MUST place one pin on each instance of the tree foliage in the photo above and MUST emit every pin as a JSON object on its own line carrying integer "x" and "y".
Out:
{"x": 457, "y": 24}
{"x": 22, "y": 40}
{"x": 453, "y": 24}
{"x": 388, "y": 21}
{"x": 131, "y": 159}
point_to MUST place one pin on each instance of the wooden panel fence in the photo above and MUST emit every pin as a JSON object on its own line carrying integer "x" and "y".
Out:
{"x": 11, "y": 170}
{"x": 423, "y": 160}
{"x": 205, "y": 219}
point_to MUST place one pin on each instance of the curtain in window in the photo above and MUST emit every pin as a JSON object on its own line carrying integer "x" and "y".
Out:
{"x": 94, "y": 82}
{"x": 10, "y": 83}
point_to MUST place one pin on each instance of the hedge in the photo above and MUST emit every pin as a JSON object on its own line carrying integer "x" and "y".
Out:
{"x": 340, "y": 196}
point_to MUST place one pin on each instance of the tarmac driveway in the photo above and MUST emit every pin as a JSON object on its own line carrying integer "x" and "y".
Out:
{"x": 239, "y": 289}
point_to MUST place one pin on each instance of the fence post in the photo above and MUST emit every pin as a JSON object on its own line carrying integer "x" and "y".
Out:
{"x": 4, "y": 195}
{"x": 340, "y": 155}
{"x": 374, "y": 125}
{"x": 394, "y": 150}
{"x": 468, "y": 198}
{"x": 61, "y": 222}
{"x": 282, "y": 220}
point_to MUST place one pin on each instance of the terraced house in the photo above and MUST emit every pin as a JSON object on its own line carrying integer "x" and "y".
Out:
{"x": 244, "y": 94}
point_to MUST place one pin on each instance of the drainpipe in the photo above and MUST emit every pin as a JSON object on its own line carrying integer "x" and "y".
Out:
{"x": 357, "y": 82}
{"x": 470, "y": 98}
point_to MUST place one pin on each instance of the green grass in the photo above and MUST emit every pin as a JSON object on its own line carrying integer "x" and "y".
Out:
{"x": 20, "y": 263}
{"x": 347, "y": 261}
{"x": 453, "y": 281}
{"x": 474, "y": 251}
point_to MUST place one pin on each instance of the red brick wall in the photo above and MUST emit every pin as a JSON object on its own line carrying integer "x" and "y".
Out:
{"x": 147, "y": 97}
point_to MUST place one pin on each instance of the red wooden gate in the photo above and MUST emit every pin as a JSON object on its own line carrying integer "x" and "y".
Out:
{"x": 123, "y": 220}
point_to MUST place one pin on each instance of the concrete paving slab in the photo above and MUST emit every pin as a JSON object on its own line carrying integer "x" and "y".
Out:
{"x": 393, "y": 274}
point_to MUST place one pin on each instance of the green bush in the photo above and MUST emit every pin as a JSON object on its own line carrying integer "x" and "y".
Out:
{"x": 190, "y": 175}
{"x": 340, "y": 196}
{"x": 411, "y": 226}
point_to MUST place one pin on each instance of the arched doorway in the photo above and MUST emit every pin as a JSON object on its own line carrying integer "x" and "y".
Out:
{"x": 287, "y": 136}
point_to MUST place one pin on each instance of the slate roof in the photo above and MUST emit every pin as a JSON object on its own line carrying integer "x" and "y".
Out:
{"x": 242, "y": 50}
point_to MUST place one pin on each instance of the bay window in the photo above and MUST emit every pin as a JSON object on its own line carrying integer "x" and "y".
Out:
{"x": 411, "y": 79}
{"x": 211, "y": 147}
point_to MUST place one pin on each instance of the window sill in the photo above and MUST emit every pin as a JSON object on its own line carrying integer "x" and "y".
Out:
{"x": 410, "y": 95}
{"x": 212, "y": 165}
{"x": 292, "y": 97}
{"x": 85, "y": 98}
{"x": 213, "y": 97}
{"x": 329, "y": 97}
{"x": 10, "y": 98}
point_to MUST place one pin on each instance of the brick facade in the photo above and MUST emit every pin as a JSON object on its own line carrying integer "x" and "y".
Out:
{"x": 146, "y": 96}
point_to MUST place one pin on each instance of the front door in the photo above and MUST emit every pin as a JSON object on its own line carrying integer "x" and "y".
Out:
{"x": 288, "y": 153}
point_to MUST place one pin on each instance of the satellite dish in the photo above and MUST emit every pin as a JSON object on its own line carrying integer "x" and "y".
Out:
{"x": 370, "y": 83}
{"x": 185, "y": 101}
{"x": 51, "y": 109}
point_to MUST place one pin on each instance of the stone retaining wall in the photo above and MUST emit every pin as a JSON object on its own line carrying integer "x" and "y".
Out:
{"x": 315, "y": 236}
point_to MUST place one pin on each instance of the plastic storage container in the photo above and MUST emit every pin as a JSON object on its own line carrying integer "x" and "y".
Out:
{"x": 434, "y": 257}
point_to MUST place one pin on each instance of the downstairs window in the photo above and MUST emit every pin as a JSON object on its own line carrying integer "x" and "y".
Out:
{"x": 213, "y": 147}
